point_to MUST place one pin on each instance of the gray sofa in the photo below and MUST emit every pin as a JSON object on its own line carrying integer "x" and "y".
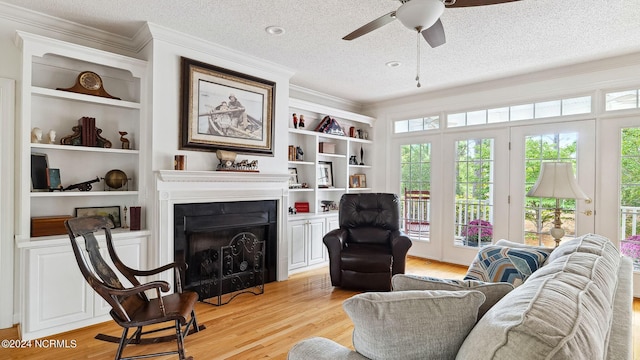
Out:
{"x": 578, "y": 305}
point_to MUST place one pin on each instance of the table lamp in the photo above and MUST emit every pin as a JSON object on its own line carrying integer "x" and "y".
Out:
{"x": 557, "y": 181}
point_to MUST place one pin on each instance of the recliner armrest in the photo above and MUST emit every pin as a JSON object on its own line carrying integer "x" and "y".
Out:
{"x": 334, "y": 240}
{"x": 400, "y": 244}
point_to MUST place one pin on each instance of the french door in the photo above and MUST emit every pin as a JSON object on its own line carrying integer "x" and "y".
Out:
{"x": 532, "y": 218}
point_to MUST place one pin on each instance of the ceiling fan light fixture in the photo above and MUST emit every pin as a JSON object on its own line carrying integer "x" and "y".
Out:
{"x": 420, "y": 14}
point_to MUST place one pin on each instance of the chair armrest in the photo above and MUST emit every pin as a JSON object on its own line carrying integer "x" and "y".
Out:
{"x": 161, "y": 285}
{"x": 334, "y": 240}
{"x": 400, "y": 244}
{"x": 180, "y": 266}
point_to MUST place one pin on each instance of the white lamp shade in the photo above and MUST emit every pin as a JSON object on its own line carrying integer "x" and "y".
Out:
{"x": 420, "y": 14}
{"x": 556, "y": 180}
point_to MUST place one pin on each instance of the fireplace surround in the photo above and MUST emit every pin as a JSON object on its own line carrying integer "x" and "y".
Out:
{"x": 176, "y": 188}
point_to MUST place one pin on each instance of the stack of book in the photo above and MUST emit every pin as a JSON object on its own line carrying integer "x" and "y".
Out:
{"x": 88, "y": 125}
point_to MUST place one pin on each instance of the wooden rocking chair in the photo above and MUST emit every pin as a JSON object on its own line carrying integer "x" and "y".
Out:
{"x": 130, "y": 306}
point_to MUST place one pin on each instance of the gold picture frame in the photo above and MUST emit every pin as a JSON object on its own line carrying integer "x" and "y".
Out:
{"x": 224, "y": 109}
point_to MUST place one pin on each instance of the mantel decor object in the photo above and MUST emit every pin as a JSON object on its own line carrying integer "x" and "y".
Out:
{"x": 89, "y": 83}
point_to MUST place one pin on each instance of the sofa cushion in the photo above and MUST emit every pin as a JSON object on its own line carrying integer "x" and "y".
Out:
{"x": 492, "y": 291}
{"x": 563, "y": 311}
{"x": 506, "y": 264}
{"x": 412, "y": 324}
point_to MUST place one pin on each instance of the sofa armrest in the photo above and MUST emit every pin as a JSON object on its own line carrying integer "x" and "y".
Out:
{"x": 318, "y": 348}
{"x": 334, "y": 241}
{"x": 400, "y": 244}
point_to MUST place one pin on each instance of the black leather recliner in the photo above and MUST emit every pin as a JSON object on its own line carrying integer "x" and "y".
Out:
{"x": 368, "y": 248}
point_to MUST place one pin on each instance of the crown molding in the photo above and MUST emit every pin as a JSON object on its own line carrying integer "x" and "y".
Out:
{"x": 159, "y": 32}
{"x": 70, "y": 31}
{"x": 303, "y": 93}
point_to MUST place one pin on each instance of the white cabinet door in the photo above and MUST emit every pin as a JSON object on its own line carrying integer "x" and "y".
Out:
{"x": 57, "y": 293}
{"x": 315, "y": 231}
{"x": 297, "y": 244}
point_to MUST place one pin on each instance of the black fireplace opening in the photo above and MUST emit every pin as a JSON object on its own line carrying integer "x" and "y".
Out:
{"x": 229, "y": 247}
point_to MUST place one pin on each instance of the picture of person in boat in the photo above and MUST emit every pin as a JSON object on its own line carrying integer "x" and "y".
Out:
{"x": 229, "y": 117}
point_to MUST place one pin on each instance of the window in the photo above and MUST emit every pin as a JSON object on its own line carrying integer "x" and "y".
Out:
{"x": 621, "y": 100}
{"x": 415, "y": 184}
{"x": 419, "y": 124}
{"x": 540, "y": 110}
{"x": 630, "y": 194}
{"x": 474, "y": 192}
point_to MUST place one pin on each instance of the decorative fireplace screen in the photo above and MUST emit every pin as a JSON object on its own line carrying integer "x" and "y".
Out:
{"x": 230, "y": 270}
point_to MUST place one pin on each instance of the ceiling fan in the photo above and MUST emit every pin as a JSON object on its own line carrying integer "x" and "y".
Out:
{"x": 422, "y": 16}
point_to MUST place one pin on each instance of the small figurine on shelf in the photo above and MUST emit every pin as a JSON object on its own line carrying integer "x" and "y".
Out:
{"x": 52, "y": 136}
{"x": 36, "y": 135}
{"x": 299, "y": 154}
{"x": 292, "y": 211}
{"x": 125, "y": 226}
{"x": 295, "y": 120}
{"x": 353, "y": 160}
{"x": 301, "y": 125}
{"x": 361, "y": 156}
{"x": 125, "y": 141}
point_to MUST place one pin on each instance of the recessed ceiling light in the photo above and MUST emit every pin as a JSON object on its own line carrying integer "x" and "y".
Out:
{"x": 393, "y": 64}
{"x": 274, "y": 30}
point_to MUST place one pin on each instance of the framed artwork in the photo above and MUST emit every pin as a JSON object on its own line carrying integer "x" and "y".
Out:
{"x": 112, "y": 212}
{"x": 325, "y": 174}
{"x": 39, "y": 166}
{"x": 224, "y": 109}
{"x": 293, "y": 177}
{"x": 362, "y": 179}
{"x": 354, "y": 181}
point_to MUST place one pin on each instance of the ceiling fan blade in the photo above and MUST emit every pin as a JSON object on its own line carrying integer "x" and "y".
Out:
{"x": 467, "y": 3}
{"x": 435, "y": 34}
{"x": 367, "y": 28}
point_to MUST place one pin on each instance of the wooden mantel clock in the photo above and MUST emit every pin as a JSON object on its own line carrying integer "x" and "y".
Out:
{"x": 89, "y": 83}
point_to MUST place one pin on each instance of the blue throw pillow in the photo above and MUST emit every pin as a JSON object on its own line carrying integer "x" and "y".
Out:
{"x": 506, "y": 264}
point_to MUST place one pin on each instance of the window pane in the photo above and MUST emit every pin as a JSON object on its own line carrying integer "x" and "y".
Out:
{"x": 401, "y": 126}
{"x": 522, "y": 112}
{"x": 414, "y": 187}
{"x": 415, "y": 125}
{"x": 432, "y": 122}
{"x": 581, "y": 105}
{"x": 455, "y": 120}
{"x": 474, "y": 193}
{"x": 621, "y": 100}
{"x": 630, "y": 195}
{"x": 547, "y": 109}
{"x": 498, "y": 115}
{"x": 477, "y": 117}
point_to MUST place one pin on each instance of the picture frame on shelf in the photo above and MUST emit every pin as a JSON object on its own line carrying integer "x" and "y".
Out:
{"x": 39, "y": 166}
{"x": 293, "y": 178}
{"x": 325, "y": 174}
{"x": 111, "y": 212}
{"x": 362, "y": 180}
{"x": 354, "y": 181}
{"x": 225, "y": 109}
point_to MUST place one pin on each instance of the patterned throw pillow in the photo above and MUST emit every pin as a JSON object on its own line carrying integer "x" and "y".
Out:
{"x": 506, "y": 264}
{"x": 492, "y": 291}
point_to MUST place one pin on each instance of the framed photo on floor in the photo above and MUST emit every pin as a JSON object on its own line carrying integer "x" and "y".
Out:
{"x": 225, "y": 109}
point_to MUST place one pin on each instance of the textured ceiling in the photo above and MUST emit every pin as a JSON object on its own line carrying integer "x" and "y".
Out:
{"x": 483, "y": 43}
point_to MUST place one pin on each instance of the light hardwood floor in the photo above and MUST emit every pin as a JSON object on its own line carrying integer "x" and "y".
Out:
{"x": 252, "y": 327}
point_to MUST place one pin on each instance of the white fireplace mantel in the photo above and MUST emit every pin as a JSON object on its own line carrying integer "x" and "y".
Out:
{"x": 180, "y": 187}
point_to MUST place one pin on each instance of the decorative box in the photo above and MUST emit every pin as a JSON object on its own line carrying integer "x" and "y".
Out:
{"x": 301, "y": 207}
{"x": 49, "y": 225}
{"x": 327, "y": 148}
